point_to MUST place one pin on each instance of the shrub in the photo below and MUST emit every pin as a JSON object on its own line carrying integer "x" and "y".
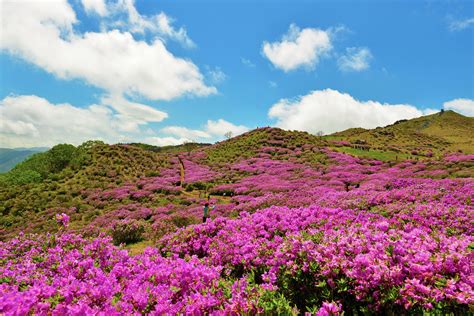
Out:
{"x": 127, "y": 231}
{"x": 159, "y": 229}
{"x": 181, "y": 221}
{"x": 18, "y": 177}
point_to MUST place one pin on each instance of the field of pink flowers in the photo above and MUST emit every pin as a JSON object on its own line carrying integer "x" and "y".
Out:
{"x": 351, "y": 236}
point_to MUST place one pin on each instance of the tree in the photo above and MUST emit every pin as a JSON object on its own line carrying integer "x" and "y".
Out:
{"x": 228, "y": 135}
{"x": 319, "y": 133}
{"x": 59, "y": 157}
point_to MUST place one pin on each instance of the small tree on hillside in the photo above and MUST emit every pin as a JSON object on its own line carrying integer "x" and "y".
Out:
{"x": 228, "y": 135}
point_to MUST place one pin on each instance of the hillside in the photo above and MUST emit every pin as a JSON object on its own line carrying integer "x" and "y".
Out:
{"x": 9, "y": 157}
{"x": 97, "y": 180}
{"x": 67, "y": 177}
{"x": 433, "y": 134}
{"x": 298, "y": 225}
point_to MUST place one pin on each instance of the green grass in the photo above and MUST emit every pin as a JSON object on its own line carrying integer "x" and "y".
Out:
{"x": 138, "y": 248}
{"x": 374, "y": 154}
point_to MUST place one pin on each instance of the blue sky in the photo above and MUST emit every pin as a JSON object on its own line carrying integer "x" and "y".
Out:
{"x": 165, "y": 72}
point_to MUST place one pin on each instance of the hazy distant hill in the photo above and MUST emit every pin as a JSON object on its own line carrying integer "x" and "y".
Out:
{"x": 9, "y": 157}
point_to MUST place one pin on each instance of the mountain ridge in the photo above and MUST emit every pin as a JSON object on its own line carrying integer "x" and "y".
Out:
{"x": 445, "y": 131}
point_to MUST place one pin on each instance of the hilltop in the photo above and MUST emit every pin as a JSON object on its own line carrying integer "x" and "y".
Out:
{"x": 434, "y": 134}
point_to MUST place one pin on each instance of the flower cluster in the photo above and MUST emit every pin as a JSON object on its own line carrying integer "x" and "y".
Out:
{"x": 62, "y": 219}
{"x": 68, "y": 275}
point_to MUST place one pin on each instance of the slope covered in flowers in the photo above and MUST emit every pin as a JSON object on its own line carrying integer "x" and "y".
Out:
{"x": 298, "y": 227}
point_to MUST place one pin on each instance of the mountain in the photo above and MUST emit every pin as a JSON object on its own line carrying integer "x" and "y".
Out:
{"x": 9, "y": 157}
{"x": 97, "y": 180}
{"x": 434, "y": 134}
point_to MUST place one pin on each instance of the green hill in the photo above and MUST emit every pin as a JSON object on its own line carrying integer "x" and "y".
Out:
{"x": 428, "y": 135}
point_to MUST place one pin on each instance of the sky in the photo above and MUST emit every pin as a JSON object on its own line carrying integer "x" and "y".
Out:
{"x": 165, "y": 72}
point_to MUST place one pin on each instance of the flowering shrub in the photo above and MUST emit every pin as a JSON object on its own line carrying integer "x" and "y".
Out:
{"x": 127, "y": 231}
{"x": 69, "y": 275}
{"x": 62, "y": 219}
{"x": 329, "y": 309}
{"x": 360, "y": 259}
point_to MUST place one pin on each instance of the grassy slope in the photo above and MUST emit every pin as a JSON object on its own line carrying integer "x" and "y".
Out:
{"x": 438, "y": 133}
{"x": 111, "y": 166}
{"x": 248, "y": 144}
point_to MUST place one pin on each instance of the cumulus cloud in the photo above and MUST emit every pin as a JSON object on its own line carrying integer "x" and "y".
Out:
{"x": 165, "y": 141}
{"x": 131, "y": 114}
{"x": 459, "y": 25}
{"x": 43, "y": 33}
{"x": 160, "y": 25}
{"x": 221, "y": 127}
{"x": 331, "y": 111}
{"x": 463, "y": 106}
{"x": 185, "y": 133}
{"x": 213, "y": 130}
{"x": 355, "y": 59}
{"x": 95, "y": 6}
{"x": 298, "y": 48}
{"x": 29, "y": 120}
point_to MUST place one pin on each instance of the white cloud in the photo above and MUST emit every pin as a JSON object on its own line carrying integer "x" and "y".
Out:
{"x": 272, "y": 84}
{"x": 298, "y": 48}
{"x": 95, "y": 6}
{"x": 216, "y": 75}
{"x": 164, "y": 27}
{"x": 160, "y": 24}
{"x": 247, "y": 62}
{"x": 459, "y": 25}
{"x": 214, "y": 130}
{"x": 355, "y": 59}
{"x": 463, "y": 106}
{"x": 331, "y": 111}
{"x": 429, "y": 111}
{"x": 184, "y": 132}
{"x": 221, "y": 127}
{"x": 42, "y": 33}
{"x": 165, "y": 141}
{"x": 132, "y": 114}
{"x": 29, "y": 120}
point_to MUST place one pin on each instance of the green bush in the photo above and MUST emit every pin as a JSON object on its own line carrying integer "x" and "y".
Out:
{"x": 127, "y": 231}
{"x": 182, "y": 221}
{"x": 20, "y": 177}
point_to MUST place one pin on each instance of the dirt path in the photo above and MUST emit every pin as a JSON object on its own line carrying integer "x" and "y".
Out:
{"x": 181, "y": 171}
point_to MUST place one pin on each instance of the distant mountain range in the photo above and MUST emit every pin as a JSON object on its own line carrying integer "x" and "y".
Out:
{"x": 9, "y": 157}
